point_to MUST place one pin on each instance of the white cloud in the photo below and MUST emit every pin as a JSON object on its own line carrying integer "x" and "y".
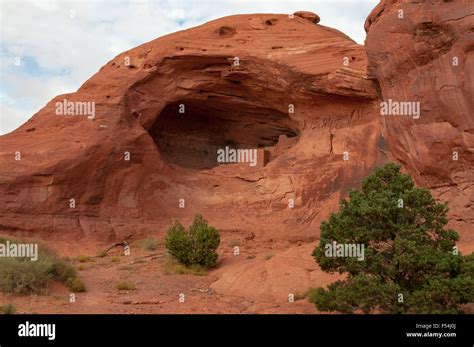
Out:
{"x": 62, "y": 43}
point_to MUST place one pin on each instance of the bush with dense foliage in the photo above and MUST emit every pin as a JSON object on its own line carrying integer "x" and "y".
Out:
{"x": 411, "y": 264}
{"x": 195, "y": 246}
{"x": 23, "y": 276}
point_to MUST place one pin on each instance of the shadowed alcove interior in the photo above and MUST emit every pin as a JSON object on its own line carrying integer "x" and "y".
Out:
{"x": 191, "y": 138}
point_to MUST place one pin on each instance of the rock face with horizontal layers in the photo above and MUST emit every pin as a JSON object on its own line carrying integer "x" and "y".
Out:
{"x": 274, "y": 82}
{"x": 423, "y": 51}
{"x": 297, "y": 91}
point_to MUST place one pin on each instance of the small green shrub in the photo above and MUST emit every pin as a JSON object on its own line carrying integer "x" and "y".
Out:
{"x": 195, "y": 246}
{"x": 173, "y": 266}
{"x": 20, "y": 276}
{"x": 8, "y": 309}
{"x": 148, "y": 244}
{"x": 197, "y": 270}
{"x": 307, "y": 294}
{"x": 180, "y": 269}
{"x": 23, "y": 276}
{"x": 125, "y": 285}
{"x": 76, "y": 285}
{"x": 178, "y": 243}
{"x": 313, "y": 295}
{"x": 63, "y": 270}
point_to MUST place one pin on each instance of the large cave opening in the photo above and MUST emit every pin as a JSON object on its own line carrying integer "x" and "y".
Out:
{"x": 188, "y": 133}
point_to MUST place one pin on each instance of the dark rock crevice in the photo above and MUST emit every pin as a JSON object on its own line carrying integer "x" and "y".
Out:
{"x": 191, "y": 139}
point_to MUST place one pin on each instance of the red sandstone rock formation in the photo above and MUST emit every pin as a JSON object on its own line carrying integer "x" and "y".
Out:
{"x": 238, "y": 79}
{"x": 295, "y": 88}
{"x": 423, "y": 51}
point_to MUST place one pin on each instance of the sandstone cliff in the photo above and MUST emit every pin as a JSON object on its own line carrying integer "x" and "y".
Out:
{"x": 423, "y": 51}
{"x": 304, "y": 93}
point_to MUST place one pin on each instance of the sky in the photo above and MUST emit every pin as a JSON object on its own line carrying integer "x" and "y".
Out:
{"x": 51, "y": 47}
